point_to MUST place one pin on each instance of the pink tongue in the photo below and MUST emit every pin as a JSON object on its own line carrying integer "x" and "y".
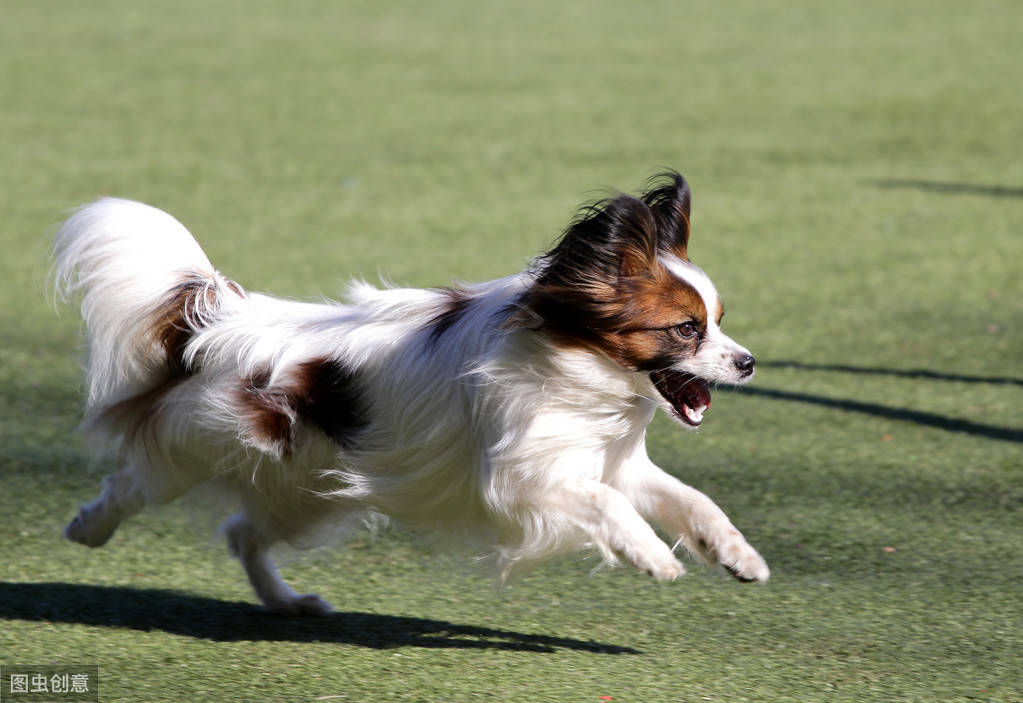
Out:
{"x": 681, "y": 389}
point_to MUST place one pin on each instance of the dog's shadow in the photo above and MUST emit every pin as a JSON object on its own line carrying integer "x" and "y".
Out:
{"x": 223, "y": 621}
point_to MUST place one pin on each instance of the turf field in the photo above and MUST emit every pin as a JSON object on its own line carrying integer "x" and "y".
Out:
{"x": 858, "y": 199}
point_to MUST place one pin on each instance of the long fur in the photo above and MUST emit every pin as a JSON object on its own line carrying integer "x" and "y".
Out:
{"x": 517, "y": 406}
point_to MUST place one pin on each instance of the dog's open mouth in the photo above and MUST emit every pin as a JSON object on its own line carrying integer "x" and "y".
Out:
{"x": 689, "y": 395}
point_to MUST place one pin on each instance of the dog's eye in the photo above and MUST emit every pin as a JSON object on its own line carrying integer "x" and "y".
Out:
{"x": 686, "y": 330}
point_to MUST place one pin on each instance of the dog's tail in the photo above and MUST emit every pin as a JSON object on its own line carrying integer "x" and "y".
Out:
{"x": 146, "y": 287}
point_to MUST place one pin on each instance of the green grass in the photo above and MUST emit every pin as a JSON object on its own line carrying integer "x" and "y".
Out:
{"x": 858, "y": 200}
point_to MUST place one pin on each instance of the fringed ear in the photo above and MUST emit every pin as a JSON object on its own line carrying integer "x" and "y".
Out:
{"x": 578, "y": 280}
{"x": 632, "y": 234}
{"x": 668, "y": 198}
{"x": 609, "y": 239}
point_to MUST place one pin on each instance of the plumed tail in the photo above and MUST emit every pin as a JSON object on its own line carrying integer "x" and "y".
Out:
{"x": 145, "y": 286}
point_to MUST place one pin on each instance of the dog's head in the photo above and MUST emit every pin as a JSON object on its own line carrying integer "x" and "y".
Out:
{"x": 620, "y": 283}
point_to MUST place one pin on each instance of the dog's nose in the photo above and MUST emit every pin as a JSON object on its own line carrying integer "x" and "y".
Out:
{"x": 745, "y": 363}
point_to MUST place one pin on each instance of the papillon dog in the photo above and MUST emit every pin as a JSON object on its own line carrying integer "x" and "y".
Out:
{"x": 516, "y": 408}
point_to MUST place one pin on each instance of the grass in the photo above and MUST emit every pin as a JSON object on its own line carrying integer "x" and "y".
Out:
{"x": 858, "y": 197}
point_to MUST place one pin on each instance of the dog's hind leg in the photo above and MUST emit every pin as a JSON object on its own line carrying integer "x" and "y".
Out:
{"x": 124, "y": 494}
{"x": 251, "y": 545}
{"x": 122, "y": 497}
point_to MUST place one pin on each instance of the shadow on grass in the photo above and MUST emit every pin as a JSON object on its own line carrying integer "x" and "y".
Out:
{"x": 207, "y": 618}
{"x": 901, "y": 373}
{"x": 928, "y": 419}
{"x": 941, "y": 422}
{"x": 948, "y": 187}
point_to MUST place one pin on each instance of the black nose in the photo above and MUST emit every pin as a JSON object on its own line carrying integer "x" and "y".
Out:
{"x": 745, "y": 363}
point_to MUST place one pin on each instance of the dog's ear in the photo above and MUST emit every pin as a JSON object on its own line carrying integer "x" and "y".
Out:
{"x": 578, "y": 281}
{"x": 630, "y": 232}
{"x": 608, "y": 240}
{"x": 668, "y": 197}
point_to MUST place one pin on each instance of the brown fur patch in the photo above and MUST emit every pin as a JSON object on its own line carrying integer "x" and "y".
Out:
{"x": 235, "y": 288}
{"x": 646, "y": 310}
{"x": 172, "y": 324}
{"x": 268, "y": 412}
{"x": 631, "y": 322}
{"x": 180, "y": 315}
{"x": 321, "y": 393}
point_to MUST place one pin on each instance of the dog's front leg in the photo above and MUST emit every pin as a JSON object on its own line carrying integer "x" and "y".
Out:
{"x": 691, "y": 517}
{"x": 613, "y": 524}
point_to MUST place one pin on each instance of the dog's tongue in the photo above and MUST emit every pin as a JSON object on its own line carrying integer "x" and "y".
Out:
{"x": 688, "y": 394}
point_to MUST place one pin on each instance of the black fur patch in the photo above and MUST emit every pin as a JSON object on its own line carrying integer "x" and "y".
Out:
{"x": 669, "y": 198}
{"x": 455, "y": 306}
{"x": 736, "y": 575}
{"x": 322, "y": 393}
{"x": 327, "y": 396}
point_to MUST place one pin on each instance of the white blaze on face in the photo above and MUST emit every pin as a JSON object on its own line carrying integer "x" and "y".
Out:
{"x": 715, "y": 359}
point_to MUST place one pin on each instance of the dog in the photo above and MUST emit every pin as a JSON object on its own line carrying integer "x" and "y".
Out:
{"x": 517, "y": 408}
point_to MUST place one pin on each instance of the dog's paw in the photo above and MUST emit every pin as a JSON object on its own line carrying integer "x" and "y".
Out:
{"x": 91, "y": 533}
{"x": 306, "y": 604}
{"x": 662, "y": 566}
{"x": 750, "y": 567}
{"x": 736, "y": 556}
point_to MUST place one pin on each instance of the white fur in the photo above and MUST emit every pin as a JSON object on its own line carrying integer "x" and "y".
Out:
{"x": 485, "y": 426}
